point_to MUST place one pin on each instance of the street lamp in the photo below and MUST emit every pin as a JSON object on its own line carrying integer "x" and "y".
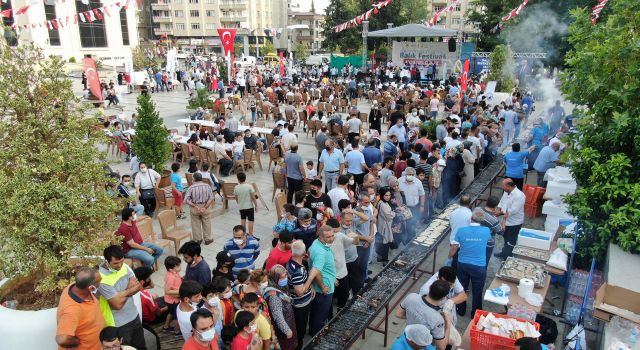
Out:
{"x": 365, "y": 33}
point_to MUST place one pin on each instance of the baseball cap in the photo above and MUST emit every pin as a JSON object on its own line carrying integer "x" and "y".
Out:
{"x": 224, "y": 257}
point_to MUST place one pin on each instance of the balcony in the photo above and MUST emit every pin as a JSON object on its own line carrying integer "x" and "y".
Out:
{"x": 161, "y": 31}
{"x": 233, "y": 18}
{"x": 225, "y": 4}
{"x": 160, "y": 6}
{"x": 304, "y": 38}
{"x": 162, "y": 19}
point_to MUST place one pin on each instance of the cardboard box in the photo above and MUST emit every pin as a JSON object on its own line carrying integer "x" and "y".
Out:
{"x": 625, "y": 303}
{"x": 535, "y": 238}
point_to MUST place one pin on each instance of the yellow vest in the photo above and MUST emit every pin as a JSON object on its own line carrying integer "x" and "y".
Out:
{"x": 111, "y": 280}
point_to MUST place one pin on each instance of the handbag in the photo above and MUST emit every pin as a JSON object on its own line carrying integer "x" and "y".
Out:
{"x": 404, "y": 212}
{"x": 148, "y": 194}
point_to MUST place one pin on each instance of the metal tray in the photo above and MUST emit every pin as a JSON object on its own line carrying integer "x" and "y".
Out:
{"x": 513, "y": 269}
{"x": 528, "y": 253}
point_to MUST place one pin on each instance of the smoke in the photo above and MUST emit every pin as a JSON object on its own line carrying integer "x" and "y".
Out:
{"x": 538, "y": 30}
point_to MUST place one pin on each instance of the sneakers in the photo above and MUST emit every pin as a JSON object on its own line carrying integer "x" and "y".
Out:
{"x": 208, "y": 241}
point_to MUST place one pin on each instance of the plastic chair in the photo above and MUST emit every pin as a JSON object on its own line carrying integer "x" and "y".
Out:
{"x": 145, "y": 226}
{"x": 279, "y": 183}
{"x": 170, "y": 230}
{"x": 227, "y": 193}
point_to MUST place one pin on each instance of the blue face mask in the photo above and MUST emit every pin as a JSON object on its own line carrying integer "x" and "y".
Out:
{"x": 283, "y": 282}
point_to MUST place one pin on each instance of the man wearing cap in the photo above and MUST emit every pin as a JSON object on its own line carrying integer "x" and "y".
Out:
{"x": 413, "y": 192}
{"x": 414, "y": 337}
{"x": 224, "y": 266}
{"x": 305, "y": 227}
{"x": 317, "y": 199}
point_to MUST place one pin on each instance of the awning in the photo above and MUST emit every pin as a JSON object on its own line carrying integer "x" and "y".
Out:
{"x": 413, "y": 30}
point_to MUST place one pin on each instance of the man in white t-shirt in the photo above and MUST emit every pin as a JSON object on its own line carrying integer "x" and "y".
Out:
{"x": 448, "y": 274}
{"x": 190, "y": 296}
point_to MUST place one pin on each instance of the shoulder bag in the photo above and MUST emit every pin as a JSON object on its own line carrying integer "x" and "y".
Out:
{"x": 148, "y": 194}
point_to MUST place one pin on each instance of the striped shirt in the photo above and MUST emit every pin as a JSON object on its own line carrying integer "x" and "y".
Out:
{"x": 492, "y": 223}
{"x": 198, "y": 193}
{"x": 428, "y": 172}
{"x": 298, "y": 276}
{"x": 245, "y": 257}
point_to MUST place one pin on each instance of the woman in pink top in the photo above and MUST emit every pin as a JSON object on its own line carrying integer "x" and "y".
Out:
{"x": 172, "y": 282}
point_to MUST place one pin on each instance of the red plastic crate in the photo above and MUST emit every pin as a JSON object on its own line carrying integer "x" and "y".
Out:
{"x": 532, "y": 210}
{"x": 533, "y": 194}
{"x": 486, "y": 341}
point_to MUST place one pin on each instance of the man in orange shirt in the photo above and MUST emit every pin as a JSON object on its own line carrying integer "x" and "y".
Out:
{"x": 204, "y": 333}
{"x": 79, "y": 317}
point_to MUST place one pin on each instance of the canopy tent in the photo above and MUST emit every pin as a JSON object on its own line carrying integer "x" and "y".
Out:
{"x": 412, "y": 30}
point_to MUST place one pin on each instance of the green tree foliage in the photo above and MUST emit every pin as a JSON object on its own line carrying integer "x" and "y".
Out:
{"x": 267, "y": 48}
{"x": 201, "y": 100}
{"x": 602, "y": 76}
{"x": 150, "y": 143}
{"x": 350, "y": 40}
{"x": 302, "y": 51}
{"x": 52, "y": 178}
{"x": 502, "y": 68}
{"x": 143, "y": 57}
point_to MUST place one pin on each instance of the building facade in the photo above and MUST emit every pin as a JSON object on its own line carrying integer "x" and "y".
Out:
{"x": 453, "y": 20}
{"x": 193, "y": 24}
{"x": 312, "y": 37}
{"x": 109, "y": 39}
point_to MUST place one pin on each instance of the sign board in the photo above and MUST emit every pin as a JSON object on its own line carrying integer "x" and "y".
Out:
{"x": 172, "y": 60}
{"x": 213, "y": 42}
{"x": 182, "y": 41}
{"x": 197, "y": 41}
{"x": 482, "y": 65}
{"x": 405, "y": 53}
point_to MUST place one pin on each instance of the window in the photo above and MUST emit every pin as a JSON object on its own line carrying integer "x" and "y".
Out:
{"x": 178, "y": 1}
{"x": 437, "y": 9}
{"x": 195, "y": 26}
{"x": 179, "y": 26}
{"x": 92, "y": 34}
{"x": 156, "y": 13}
{"x": 54, "y": 35}
{"x": 193, "y": 1}
{"x": 194, "y": 13}
{"x": 458, "y": 8}
{"x": 178, "y": 13}
{"x": 210, "y": 26}
{"x": 124, "y": 27}
{"x": 456, "y": 21}
{"x": 210, "y": 1}
{"x": 211, "y": 13}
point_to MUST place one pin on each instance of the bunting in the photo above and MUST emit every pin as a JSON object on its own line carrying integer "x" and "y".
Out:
{"x": 595, "y": 11}
{"x": 513, "y": 13}
{"x": 357, "y": 21}
{"x": 434, "y": 20}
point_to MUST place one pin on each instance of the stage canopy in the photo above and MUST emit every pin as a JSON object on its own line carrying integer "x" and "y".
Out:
{"x": 412, "y": 30}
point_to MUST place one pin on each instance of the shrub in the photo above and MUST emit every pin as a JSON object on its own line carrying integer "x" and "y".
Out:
{"x": 150, "y": 143}
{"x": 201, "y": 100}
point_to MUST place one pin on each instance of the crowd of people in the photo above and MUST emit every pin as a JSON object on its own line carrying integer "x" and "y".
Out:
{"x": 367, "y": 195}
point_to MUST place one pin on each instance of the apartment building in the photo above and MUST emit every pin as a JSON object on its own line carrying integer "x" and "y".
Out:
{"x": 453, "y": 20}
{"x": 193, "y": 24}
{"x": 312, "y": 37}
{"x": 109, "y": 39}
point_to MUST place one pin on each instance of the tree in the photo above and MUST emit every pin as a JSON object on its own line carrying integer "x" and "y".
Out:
{"x": 267, "y": 48}
{"x": 601, "y": 75}
{"x": 502, "y": 68}
{"x": 150, "y": 143}
{"x": 201, "y": 100}
{"x": 143, "y": 57}
{"x": 52, "y": 178}
{"x": 238, "y": 49}
{"x": 302, "y": 51}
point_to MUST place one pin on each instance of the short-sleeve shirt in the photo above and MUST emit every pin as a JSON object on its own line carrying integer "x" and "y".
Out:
{"x": 200, "y": 273}
{"x": 80, "y": 318}
{"x": 412, "y": 191}
{"x": 419, "y": 311}
{"x": 184, "y": 321}
{"x": 172, "y": 280}
{"x": 354, "y": 160}
{"x": 473, "y": 244}
{"x": 128, "y": 312}
{"x": 192, "y": 344}
{"x": 177, "y": 180}
{"x": 321, "y": 258}
{"x": 298, "y": 276}
{"x": 514, "y": 162}
{"x": 128, "y": 233}
{"x": 240, "y": 343}
{"x": 244, "y": 192}
{"x": 338, "y": 247}
{"x": 455, "y": 290}
{"x": 460, "y": 217}
{"x": 314, "y": 203}
{"x": 294, "y": 162}
{"x": 277, "y": 257}
{"x": 244, "y": 257}
{"x": 331, "y": 161}
{"x": 354, "y": 125}
{"x": 546, "y": 160}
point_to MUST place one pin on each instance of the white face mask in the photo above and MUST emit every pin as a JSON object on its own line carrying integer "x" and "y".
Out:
{"x": 264, "y": 284}
{"x": 214, "y": 301}
{"x": 238, "y": 241}
{"x": 351, "y": 182}
{"x": 207, "y": 336}
{"x": 253, "y": 328}
{"x": 410, "y": 178}
{"x": 135, "y": 217}
{"x": 227, "y": 295}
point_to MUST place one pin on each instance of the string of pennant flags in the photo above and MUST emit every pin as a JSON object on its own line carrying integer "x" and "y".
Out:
{"x": 357, "y": 20}
{"x": 512, "y": 14}
{"x": 595, "y": 11}
{"x": 89, "y": 16}
{"x": 434, "y": 20}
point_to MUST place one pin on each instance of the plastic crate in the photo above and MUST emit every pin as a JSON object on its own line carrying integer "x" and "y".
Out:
{"x": 486, "y": 341}
{"x": 532, "y": 210}
{"x": 533, "y": 194}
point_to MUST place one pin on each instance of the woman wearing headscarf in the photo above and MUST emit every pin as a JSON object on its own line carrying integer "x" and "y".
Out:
{"x": 451, "y": 174}
{"x": 469, "y": 160}
{"x": 280, "y": 308}
{"x": 386, "y": 214}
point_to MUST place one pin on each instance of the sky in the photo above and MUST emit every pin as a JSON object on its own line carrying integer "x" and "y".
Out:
{"x": 305, "y": 5}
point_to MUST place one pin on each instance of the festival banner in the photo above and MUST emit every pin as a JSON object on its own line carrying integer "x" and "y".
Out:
{"x": 93, "y": 80}
{"x": 408, "y": 53}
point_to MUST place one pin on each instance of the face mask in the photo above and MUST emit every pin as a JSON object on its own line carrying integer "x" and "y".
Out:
{"x": 135, "y": 217}
{"x": 328, "y": 245}
{"x": 207, "y": 336}
{"x": 253, "y": 328}
{"x": 264, "y": 284}
{"x": 314, "y": 192}
{"x": 238, "y": 241}
{"x": 227, "y": 295}
{"x": 351, "y": 182}
{"x": 127, "y": 184}
{"x": 93, "y": 290}
{"x": 410, "y": 178}
{"x": 143, "y": 170}
{"x": 283, "y": 282}
{"x": 214, "y": 301}
{"x": 193, "y": 304}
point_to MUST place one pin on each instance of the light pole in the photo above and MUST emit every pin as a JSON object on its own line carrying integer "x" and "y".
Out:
{"x": 389, "y": 26}
{"x": 365, "y": 33}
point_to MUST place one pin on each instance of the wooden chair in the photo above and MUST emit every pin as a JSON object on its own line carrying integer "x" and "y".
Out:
{"x": 175, "y": 153}
{"x": 274, "y": 156}
{"x": 227, "y": 193}
{"x": 281, "y": 200}
{"x": 248, "y": 160}
{"x": 186, "y": 154}
{"x": 260, "y": 124}
{"x": 270, "y": 138}
{"x": 364, "y": 118}
{"x": 322, "y": 106}
{"x": 344, "y": 105}
{"x": 170, "y": 230}
{"x": 196, "y": 153}
{"x": 214, "y": 166}
{"x": 145, "y": 226}
{"x": 302, "y": 115}
{"x": 313, "y": 127}
{"x": 189, "y": 177}
{"x": 306, "y": 186}
{"x": 162, "y": 200}
{"x": 279, "y": 183}
{"x": 258, "y": 154}
{"x": 330, "y": 108}
{"x": 265, "y": 111}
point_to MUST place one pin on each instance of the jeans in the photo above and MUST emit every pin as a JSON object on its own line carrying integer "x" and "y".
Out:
{"x": 301, "y": 316}
{"x": 490, "y": 245}
{"x": 132, "y": 334}
{"x": 149, "y": 205}
{"x": 476, "y": 275}
{"x": 433, "y": 114}
{"x": 320, "y": 307}
{"x": 364, "y": 255}
{"x": 225, "y": 166}
{"x": 510, "y": 238}
{"x": 146, "y": 258}
{"x": 330, "y": 179}
{"x": 254, "y": 116}
{"x": 430, "y": 205}
{"x": 382, "y": 249}
{"x": 507, "y": 137}
{"x": 440, "y": 197}
{"x": 138, "y": 208}
{"x": 293, "y": 185}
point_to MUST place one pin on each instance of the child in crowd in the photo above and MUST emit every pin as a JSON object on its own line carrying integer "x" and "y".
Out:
{"x": 176, "y": 189}
{"x": 247, "y": 202}
{"x": 172, "y": 282}
{"x": 245, "y": 338}
{"x": 222, "y": 287}
{"x": 238, "y": 147}
{"x": 251, "y": 303}
{"x": 237, "y": 287}
{"x": 311, "y": 172}
{"x": 288, "y": 222}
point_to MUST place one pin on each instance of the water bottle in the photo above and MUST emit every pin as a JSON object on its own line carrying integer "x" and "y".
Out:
{"x": 633, "y": 338}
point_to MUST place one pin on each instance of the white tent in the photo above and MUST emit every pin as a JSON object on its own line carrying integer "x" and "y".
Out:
{"x": 413, "y": 30}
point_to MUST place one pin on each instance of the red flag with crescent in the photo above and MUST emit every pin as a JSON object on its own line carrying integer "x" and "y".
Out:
{"x": 465, "y": 77}
{"x": 92, "y": 77}
{"x": 228, "y": 37}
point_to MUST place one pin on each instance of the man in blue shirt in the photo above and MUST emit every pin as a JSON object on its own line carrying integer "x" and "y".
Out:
{"x": 356, "y": 164}
{"x": 244, "y": 250}
{"x": 514, "y": 163}
{"x": 398, "y": 130}
{"x": 547, "y": 159}
{"x": 331, "y": 164}
{"x": 414, "y": 337}
{"x": 372, "y": 154}
{"x": 472, "y": 265}
{"x": 321, "y": 259}
{"x": 197, "y": 268}
{"x": 391, "y": 147}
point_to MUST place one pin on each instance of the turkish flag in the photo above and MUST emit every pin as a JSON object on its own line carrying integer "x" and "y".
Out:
{"x": 92, "y": 77}
{"x": 228, "y": 37}
{"x": 465, "y": 77}
{"x": 281, "y": 64}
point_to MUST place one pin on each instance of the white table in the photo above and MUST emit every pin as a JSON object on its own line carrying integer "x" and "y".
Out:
{"x": 131, "y": 132}
{"x": 210, "y": 123}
